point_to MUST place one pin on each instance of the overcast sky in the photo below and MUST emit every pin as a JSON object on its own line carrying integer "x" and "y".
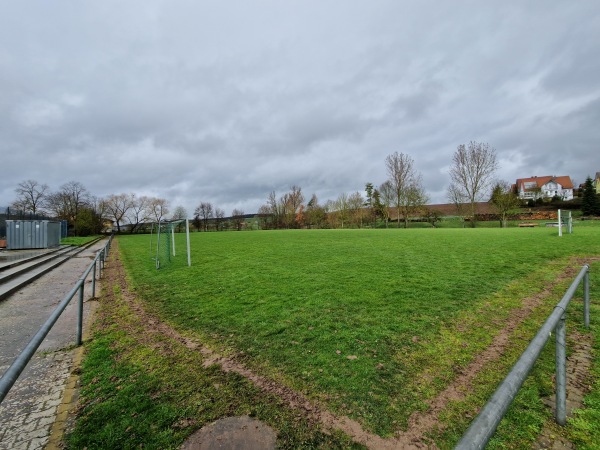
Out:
{"x": 226, "y": 101}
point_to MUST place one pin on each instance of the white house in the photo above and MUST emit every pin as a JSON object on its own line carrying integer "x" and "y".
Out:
{"x": 545, "y": 187}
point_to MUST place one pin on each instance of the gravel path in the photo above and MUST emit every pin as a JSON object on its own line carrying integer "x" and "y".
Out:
{"x": 28, "y": 412}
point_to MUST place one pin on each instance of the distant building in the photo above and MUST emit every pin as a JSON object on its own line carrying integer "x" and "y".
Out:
{"x": 597, "y": 182}
{"x": 545, "y": 187}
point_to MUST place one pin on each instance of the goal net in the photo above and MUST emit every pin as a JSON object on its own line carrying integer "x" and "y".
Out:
{"x": 170, "y": 243}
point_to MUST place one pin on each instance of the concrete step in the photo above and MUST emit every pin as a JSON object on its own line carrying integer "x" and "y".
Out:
{"x": 16, "y": 282}
{"x": 13, "y": 258}
{"x": 15, "y": 268}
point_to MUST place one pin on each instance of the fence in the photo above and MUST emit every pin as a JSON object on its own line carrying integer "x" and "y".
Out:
{"x": 12, "y": 373}
{"x": 485, "y": 424}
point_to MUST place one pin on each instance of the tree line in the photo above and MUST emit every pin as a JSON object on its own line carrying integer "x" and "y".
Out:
{"x": 403, "y": 190}
{"x": 85, "y": 213}
{"x": 402, "y": 194}
{"x": 400, "y": 197}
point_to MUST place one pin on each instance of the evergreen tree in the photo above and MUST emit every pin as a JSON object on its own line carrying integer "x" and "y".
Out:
{"x": 589, "y": 204}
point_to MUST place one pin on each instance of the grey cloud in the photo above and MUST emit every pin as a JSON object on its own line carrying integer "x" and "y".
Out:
{"x": 207, "y": 101}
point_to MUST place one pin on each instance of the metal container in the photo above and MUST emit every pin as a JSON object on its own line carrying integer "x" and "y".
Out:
{"x": 23, "y": 234}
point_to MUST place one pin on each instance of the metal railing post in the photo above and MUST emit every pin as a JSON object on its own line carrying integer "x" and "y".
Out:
{"x": 561, "y": 371}
{"x": 94, "y": 279}
{"x": 80, "y": 314}
{"x": 586, "y": 298}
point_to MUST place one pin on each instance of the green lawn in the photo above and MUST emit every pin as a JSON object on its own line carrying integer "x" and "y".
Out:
{"x": 409, "y": 307}
{"x": 78, "y": 241}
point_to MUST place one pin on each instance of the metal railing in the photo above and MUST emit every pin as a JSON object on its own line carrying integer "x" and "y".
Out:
{"x": 485, "y": 424}
{"x": 12, "y": 373}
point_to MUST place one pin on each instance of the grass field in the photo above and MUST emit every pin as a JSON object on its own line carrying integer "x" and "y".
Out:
{"x": 372, "y": 324}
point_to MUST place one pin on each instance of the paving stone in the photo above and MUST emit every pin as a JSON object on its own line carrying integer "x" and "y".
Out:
{"x": 46, "y": 421}
{"x": 36, "y": 444}
{"x": 19, "y": 445}
{"x": 53, "y": 404}
{"x": 32, "y": 425}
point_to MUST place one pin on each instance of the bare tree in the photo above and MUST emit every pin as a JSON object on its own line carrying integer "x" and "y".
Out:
{"x": 116, "y": 207}
{"x": 265, "y": 217}
{"x": 238, "y": 218}
{"x": 291, "y": 203}
{"x": 296, "y": 199}
{"x": 66, "y": 203}
{"x": 330, "y": 209}
{"x": 158, "y": 208}
{"x": 504, "y": 199}
{"x": 204, "y": 212}
{"x": 472, "y": 170}
{"x": 276, "y": 209}
{"x": 356, "y": 208}
{"x": 412, "y": 200}
{"x": 219, "y": 218}
{"x": 287, "y": 212}
{"x": 179, "y": 213}
{"x": 57, "y": 206}
{"x": 138, "y": 212}
{"x": 341, "y": 209}
{"x": 30, "y": 196}
{"x": 455, "y": 196}
{"x": 409, "y": 195}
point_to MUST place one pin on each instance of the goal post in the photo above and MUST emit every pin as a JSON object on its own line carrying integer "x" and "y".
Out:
{"x": 566, "y": 222}
{"x": 167, "y": 243}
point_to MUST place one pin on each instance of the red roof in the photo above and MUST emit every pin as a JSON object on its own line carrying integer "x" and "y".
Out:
{"x": 564, "y": 181}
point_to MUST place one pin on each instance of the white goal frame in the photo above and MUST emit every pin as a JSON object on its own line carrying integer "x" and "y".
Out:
{"x": 170, "y": 228}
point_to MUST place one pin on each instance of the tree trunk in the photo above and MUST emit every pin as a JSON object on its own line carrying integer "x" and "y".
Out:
{"x": 473, "y": 221}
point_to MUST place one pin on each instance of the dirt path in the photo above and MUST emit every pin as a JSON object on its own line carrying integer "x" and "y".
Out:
{"x": 419, "y": 424}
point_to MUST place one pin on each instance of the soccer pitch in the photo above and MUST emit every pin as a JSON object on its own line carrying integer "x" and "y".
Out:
{"x": 373, "y": 324}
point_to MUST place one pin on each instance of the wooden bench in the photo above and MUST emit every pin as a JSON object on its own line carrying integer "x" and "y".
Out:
{"x": 527, "y": 225}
